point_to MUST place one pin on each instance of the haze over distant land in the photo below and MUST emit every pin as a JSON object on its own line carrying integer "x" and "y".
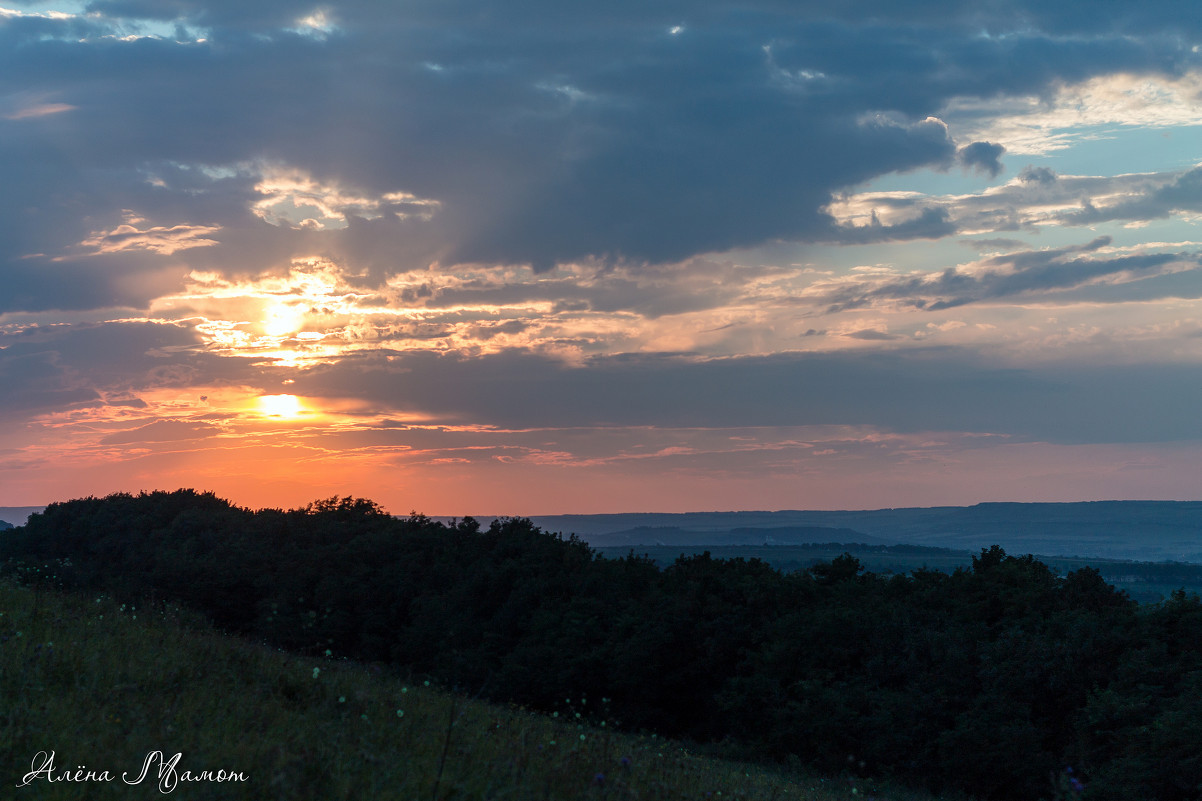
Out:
{"x": 17, "y": 515}
{"x": 1139, "y": 530}
{"x": 595, "y": 257}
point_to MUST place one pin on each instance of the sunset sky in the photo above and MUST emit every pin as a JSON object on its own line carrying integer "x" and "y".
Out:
{"x": 538, "y": 257}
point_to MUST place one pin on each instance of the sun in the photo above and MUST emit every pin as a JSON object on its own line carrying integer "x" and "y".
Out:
{"x": 280, "y": 405}
{"x": 282, "y": 319}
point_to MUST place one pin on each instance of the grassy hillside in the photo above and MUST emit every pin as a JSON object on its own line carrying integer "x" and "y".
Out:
{"x": 103, "y": 685}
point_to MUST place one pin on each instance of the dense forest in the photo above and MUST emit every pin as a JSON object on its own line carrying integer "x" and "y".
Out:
{"x": 1002, "y": 680}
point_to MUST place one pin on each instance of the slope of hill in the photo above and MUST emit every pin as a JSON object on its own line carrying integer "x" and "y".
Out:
{"x": 105, "y": 688}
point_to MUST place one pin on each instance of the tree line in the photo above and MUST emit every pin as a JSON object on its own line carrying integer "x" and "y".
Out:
{"x": 1002, "y": 680}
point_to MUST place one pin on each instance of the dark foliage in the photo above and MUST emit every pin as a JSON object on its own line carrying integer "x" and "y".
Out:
{"x": 992, "y": 680}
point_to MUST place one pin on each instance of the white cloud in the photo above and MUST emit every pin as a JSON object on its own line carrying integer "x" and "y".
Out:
{"x": 158, "y": 239}
{"x": 319, "y": 24}
{"x": 43, "y": 14}
{"x": 293, "y": 198}
{"x": 1040, "y": 124}
{"x": 1034, "y": 199}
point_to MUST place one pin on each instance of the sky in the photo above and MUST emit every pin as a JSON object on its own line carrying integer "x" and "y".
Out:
{"x": 538, "y": 257}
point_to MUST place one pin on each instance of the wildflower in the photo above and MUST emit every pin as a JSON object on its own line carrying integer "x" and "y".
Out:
{"x": 342, "y": 699}
{"x": 400, "y": 713}
{"x": 625, "y": 761}
{"x": 599, "y": 780}
{"x": 316, "y": 672}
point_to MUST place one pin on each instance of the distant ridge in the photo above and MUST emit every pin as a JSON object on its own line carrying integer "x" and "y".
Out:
{"x": 17, "y": 515}
{"x": 778, "y": 535}
{"x": 1140, "y": 530}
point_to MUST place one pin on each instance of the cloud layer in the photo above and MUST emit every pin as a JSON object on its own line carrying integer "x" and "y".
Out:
{"x": 512, "y": 134}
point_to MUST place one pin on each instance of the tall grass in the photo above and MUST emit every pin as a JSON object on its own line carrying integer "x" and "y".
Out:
{"x": 102, "y": 686}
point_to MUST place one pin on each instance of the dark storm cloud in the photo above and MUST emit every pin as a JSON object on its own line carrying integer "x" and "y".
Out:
{"x": 35, "y": 381}
{"x": 1039, "y": 175}
{"x": 645, "y": 132}
{"x": 1183, "y": 284}
{"x": 993, "y": 244}
{"x": 930, "y": 223}
{"x": 983, "y": 156}
{"x": 40, "y": 284}
{"x": 1183, "y": 193}
{"x": 45, "y": 370}
{"x": 927, "y": 390}
{"x": 1104, "y": 15}
{"x": 134, "y": 344}
{"x": 1008, "y": 276}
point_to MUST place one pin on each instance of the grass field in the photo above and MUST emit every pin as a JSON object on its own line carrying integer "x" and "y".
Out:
{"x": 103, "y": 686}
